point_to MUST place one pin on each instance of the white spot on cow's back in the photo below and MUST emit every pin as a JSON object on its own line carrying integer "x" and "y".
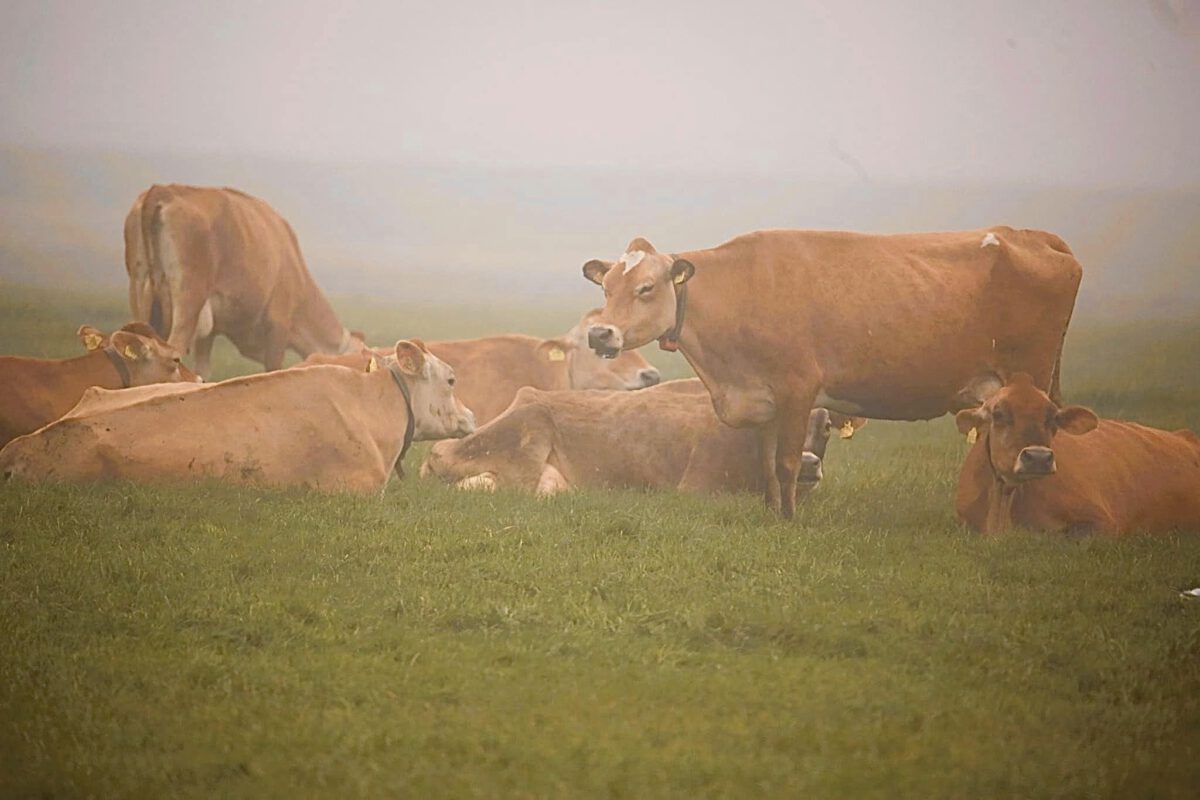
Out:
{"x": 631, "y": 260}
{"x": 990, "y": 241}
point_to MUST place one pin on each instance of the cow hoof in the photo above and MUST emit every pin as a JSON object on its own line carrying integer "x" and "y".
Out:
{"x": 483, "y": 482}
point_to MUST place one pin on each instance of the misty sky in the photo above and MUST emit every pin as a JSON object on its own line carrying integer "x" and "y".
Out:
{"x": 1072, "y": 92}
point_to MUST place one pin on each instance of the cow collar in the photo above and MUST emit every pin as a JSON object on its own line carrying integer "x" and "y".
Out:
{"x": 669, "y": 341}
{"x": 119, "y": 365}
{"x": 412, "y": 423}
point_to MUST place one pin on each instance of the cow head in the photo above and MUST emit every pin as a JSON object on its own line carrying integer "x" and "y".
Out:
{"x": 147, "y": 358}
{"x": 639, "y": 297}
{"x": 821, "y": 425}
{"x": 437, "y": 413}
{"x": 587, "y": 370}
{"x": 1018, "y": 423}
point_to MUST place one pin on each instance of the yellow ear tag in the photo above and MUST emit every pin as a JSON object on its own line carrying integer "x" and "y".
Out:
{"x": 556, "y": 354}
{"x": 130, "y": 353}
{"x": 92, "y": 341}
{"x": 847, "y": 430}
{"x": 972, "y": 435}
{"x": 372, "y": 365}
{"x": 679, "y": 279}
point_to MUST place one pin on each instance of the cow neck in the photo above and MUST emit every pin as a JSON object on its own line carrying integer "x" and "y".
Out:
{"x": 669, "y": 341}
{"x": 411, "y": 427}
{"x": 119, "y": 365}
{"x": 1000, "y": 498}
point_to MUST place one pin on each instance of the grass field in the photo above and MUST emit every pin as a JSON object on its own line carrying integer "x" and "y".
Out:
{"x": 206, "y": 641}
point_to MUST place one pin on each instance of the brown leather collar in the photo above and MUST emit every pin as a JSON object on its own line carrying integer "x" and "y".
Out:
{"x": 669, "y": 341}
{"x": 412, "y": 423}
{"x": 119, "y": 365}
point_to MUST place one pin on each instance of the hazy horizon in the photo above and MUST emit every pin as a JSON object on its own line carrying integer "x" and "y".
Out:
{"x": 1063, "y": 94}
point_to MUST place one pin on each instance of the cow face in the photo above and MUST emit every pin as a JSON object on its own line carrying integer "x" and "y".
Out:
{"x": 628, "y": 371}
{"x": 437, "y": 413}
{"x": 639, "y": 297}
{"x": 1019, "y": 422}
{"x": 147, "y": 357}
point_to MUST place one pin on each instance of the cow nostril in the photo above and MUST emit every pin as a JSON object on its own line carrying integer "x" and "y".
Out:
{"x": 649, "y": 377}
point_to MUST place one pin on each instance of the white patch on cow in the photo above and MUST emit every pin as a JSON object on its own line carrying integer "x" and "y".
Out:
{"x": 631, "y": 260}
{"x": 833, "y": 404}
{"x": 990, "y": 241}
{"x": 483, "y": 482}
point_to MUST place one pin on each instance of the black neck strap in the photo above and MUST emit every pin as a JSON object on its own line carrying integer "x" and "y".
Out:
{"x": 119, "y": 365}
{"x": 412, "y": 423}
{"x": 669, "y": 341}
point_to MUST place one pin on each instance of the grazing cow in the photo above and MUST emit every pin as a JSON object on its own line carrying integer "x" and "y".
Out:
{"x": 36, "y": 391}
{"x": 205, "y": 261}
{"x": 890, "y": 327}
{"x": 327, "y": 428}
{"x": 662, "y": 438}
{"x": 1103, "y": 475}
{"x": 491, "y": 370}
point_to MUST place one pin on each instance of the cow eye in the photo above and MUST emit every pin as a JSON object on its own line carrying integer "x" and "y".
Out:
{"x": 999, "y": 416}
{"x": 645, "y": 288}
{"x": 451, "y": 381}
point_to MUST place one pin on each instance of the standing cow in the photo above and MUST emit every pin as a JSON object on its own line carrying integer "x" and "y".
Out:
{"x": 205, "y": 261}
{"x": 899, "y": 327}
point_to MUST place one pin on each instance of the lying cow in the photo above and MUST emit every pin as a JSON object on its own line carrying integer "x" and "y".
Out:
{"x": 205, "y": 261}
{"x": 326, "y": 428}
{"x": 1103, "y": 475}
{"x": 662, "y": 438}
{"x": 490, "y": 370}
{"x": 900, "y": 327}
{"x": 36, "y": 391}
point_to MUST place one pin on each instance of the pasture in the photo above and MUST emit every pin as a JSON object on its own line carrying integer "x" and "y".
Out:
{"x": 202, "y": 640}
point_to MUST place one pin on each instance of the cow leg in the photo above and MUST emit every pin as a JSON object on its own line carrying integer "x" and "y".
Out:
{"x": 203, "y": 358}
{"x": 789, "y": 454}
{"x": 768, "y": 438}
{"x": 277, "y": 342}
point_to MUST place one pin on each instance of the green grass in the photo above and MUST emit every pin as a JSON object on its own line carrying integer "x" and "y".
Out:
{"x": 209, "y": 641}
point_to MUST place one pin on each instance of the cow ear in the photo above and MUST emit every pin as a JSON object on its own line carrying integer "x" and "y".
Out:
{"x": 682, "y": 271}
{"x": 847, "y": 425}
{"x": 970, "y": 419}
{"x": 130, "y": 345}
{"x": 92, "y": 338}
{"x": 410, "y": 358}
{"x": 421, "y": 344}
{"x": 372, "y": 362}
{"x": 1076, "y": 420}
{"x": 595, "y": 270}
{"x": 554, "y": 349}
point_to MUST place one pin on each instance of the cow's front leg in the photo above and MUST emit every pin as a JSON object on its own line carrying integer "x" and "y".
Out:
{"x": 768, "y": 438}
{"x": 789, "y": 454}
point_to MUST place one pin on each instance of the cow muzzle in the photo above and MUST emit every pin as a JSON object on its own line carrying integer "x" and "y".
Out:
{"x": 605, "y": 340}
{"x": 648, "y": 377}
{"x": 811, "y": 471}
{"x": 1035, "y": 462}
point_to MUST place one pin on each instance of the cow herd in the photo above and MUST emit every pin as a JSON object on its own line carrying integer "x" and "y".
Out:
{"x": 793, "y": 335}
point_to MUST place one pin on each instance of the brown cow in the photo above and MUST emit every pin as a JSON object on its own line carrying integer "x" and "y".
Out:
{"x": 326, "y": 428}
{"x": 206, "y": 261}
{"x": 662, "y": 438}
{"x": 890, "y": 327}
{"x": 36, "y": 391}
{"x": 1104, "y": 475}
{"x": 490, "y": 370}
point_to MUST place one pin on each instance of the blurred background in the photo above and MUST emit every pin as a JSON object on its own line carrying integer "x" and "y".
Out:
{"x": 479, "y": 153}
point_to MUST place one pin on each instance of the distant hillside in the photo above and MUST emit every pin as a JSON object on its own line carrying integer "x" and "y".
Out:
{"x": 464, "y": 233}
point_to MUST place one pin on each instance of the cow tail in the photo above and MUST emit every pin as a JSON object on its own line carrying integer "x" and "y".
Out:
{"x": 152, "y": 231}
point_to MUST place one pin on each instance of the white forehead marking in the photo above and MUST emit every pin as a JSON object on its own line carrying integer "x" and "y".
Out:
{"x": 990, "y": 240}
{"x": 631, "y": 260}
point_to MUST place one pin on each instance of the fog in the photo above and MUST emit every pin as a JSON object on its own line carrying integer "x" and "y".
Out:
{"x": 406, "y": 139}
